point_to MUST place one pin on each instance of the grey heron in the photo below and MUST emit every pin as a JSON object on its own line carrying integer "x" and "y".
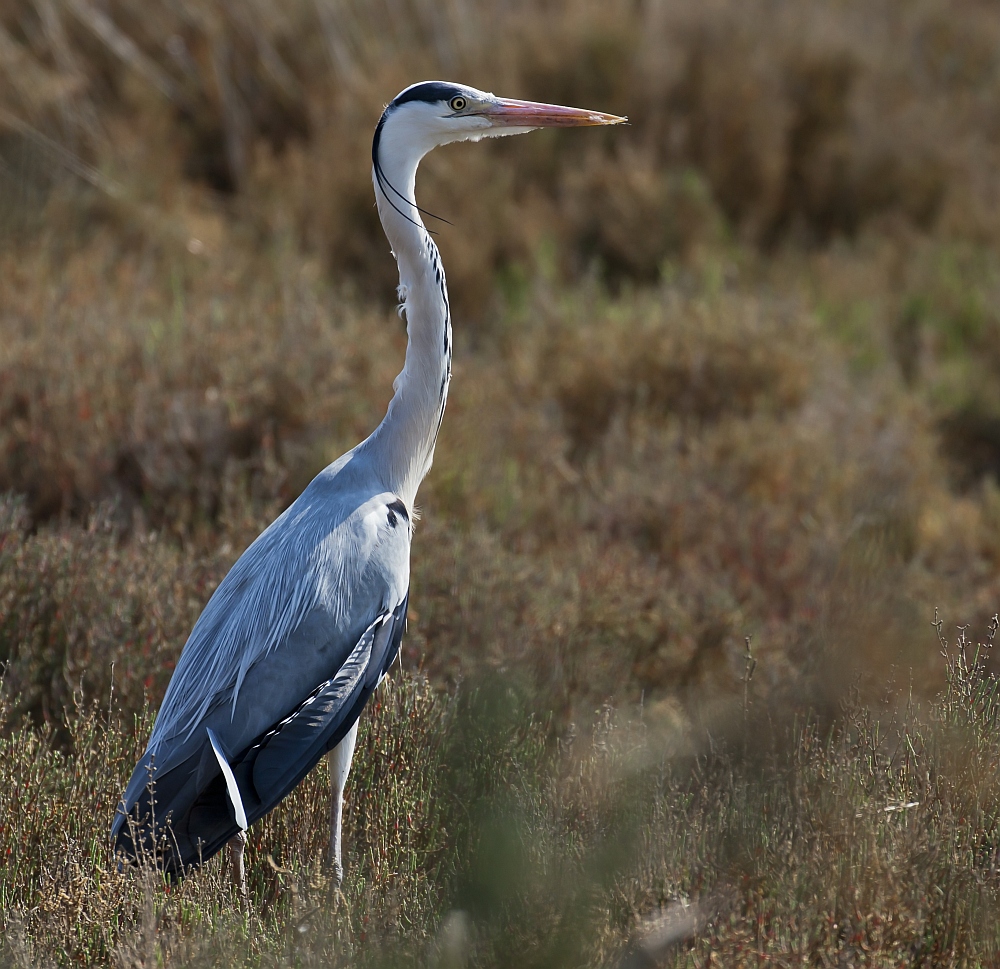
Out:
{"x": 280, "y": 664}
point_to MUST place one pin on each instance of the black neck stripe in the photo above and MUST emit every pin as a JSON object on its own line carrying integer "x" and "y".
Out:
{"x": 429, "y": 92}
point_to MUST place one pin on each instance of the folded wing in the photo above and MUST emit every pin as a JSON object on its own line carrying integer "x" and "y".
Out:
{"x": 275, "y": 673}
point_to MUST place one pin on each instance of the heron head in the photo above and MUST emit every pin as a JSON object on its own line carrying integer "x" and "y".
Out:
{"x": 433, "y": 113}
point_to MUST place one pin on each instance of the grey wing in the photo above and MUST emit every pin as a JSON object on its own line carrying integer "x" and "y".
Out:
{"x": 266, "y": 596}
{"x": 191, "y": 811}
{"x": 290, "y": 750}
{"x": 294, "y": 638}
{"x": 329, "y": 563}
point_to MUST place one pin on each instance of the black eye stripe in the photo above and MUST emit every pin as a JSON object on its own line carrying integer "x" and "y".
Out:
{"x": 429, "y": 91}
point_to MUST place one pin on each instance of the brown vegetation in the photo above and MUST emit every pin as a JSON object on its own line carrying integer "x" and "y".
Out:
{"x": 471, "y": 840}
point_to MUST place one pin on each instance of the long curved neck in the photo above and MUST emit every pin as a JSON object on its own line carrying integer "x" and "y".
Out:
{"x": 402, "y": 447}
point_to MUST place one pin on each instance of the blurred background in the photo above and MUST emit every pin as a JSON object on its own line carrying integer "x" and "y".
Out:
{"x": 730, "y": 371}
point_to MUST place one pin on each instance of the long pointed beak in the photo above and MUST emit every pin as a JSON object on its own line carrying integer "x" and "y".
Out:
{"x": 509, "y": 113}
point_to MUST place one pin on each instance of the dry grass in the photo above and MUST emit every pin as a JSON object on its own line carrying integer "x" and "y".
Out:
{"x": 871, "y": 843}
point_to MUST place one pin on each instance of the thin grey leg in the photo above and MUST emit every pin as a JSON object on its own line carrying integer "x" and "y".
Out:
{"x": 340, "y": 766}
{"x": 237, "y": 845}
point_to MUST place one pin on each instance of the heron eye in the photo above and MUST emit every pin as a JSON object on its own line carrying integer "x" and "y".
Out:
{"x": 457, "y": 103}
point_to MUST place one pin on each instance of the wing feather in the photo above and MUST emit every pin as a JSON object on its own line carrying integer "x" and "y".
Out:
{"x": 232, "y": 787}
{"x": 262, "y": 600}
{"x": 281, "y": 758}
{"x": 274, "y": 765}
{"x": 312, "y": 558}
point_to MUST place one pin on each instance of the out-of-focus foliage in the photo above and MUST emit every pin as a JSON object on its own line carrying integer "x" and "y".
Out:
{"x": 625, "y": 487}
{"x": 775, "y": 122}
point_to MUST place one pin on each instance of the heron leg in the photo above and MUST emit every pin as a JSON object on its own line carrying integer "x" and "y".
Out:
{"x": 237, "y": 845}
{"x": 340, "y": 766}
